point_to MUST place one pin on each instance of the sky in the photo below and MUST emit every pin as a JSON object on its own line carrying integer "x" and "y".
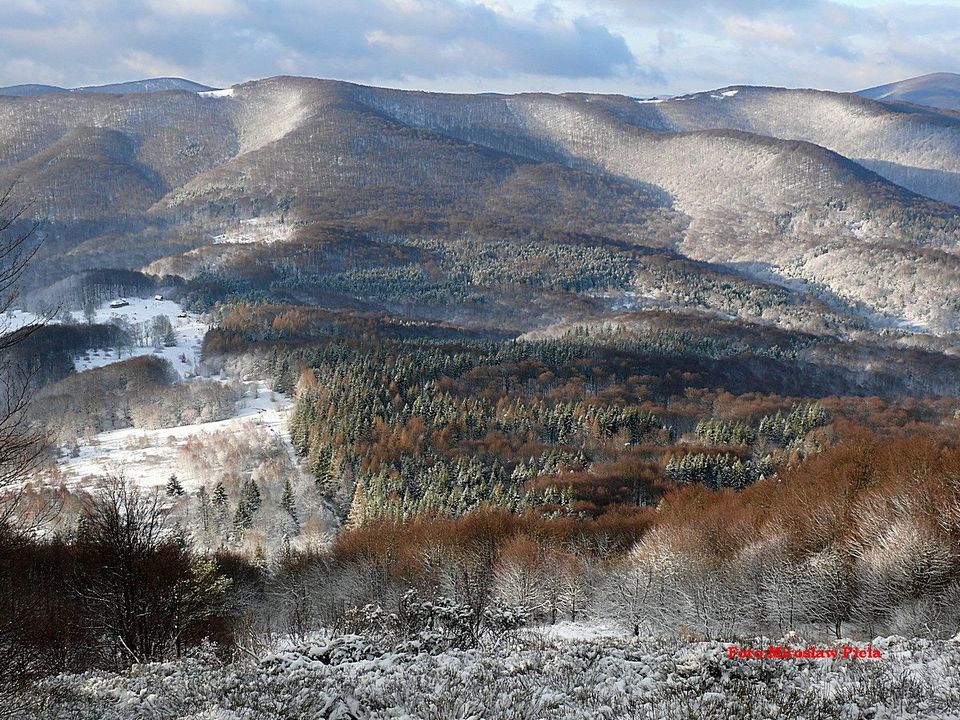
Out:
{"x": 635, "y": 47}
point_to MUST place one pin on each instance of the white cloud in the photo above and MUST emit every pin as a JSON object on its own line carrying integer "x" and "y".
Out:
{"x": 136, "y": 63}
{"x": 401, "y": 43}
{"x": 223, "y": 41}
{"x": 213, "y": 8}
{"x": 746, "y": 29}
{"x": 632, "y": 46}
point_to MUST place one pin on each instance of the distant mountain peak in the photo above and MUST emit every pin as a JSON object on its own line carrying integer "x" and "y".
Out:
{"x": 31, "y": 90}
{"x": 148, "y": 85}
{"x": 940, "y": 90}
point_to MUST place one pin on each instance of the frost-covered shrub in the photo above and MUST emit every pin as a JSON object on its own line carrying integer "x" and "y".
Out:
{"x": 503, "y": 617}
{"x": 534, "y": 677}
{"x": 438, "y": 623}
{"x": 331, "y": 651}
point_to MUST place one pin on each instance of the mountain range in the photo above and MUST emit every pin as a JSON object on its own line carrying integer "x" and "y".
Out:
{"x": 835, "y": 203}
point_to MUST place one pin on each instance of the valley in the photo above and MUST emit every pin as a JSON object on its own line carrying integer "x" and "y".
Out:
{"x": 320, "y": 396}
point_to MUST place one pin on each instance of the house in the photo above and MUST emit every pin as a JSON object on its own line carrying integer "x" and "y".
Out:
{"x": 119, "y": 303}
{"x": 158, "y": 297}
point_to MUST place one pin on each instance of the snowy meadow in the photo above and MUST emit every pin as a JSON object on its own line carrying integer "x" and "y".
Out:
{"x": 517, "y": 675}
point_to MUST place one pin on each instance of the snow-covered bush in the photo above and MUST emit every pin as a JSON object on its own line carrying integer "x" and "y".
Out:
{"x": 365, "y": 679}
{"x": 438, "y": 623}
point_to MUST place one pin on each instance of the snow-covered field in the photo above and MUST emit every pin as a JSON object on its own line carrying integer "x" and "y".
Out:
{"x": 149, "y": 457}
{"x": 223, "y": 93}
{"x": 255, "y": 230}
{"x": 523, "y": 676}
{"x": 189, "y": 331}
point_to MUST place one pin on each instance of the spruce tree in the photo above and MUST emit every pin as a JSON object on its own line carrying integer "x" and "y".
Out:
{"x": 288, "y": 502}
{"x": 358, "y": 508}
{"x": 242, "y": 519}
{"x": 250, "y": 497}
{"x": 174, "y": 488}
{"x": 323, "y": 469}
{"x": 219, "y": 504}
{"x": 203, "y": 500}
{"x": 260, "y": 557}
{"x": 247, "y": 507}
{"x": 219, "y": 496}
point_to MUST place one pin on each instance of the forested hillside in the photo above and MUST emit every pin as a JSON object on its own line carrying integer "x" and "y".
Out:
{"x": 772, "y": 186}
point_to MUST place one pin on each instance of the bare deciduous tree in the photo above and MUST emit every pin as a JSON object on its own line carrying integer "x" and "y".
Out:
{"x": 20, "y": 448}
{"x": 145, "y": 586}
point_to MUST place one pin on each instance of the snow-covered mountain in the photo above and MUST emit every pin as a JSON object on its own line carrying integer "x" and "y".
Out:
{"x": 149, "y": 85}
{"x": 833, "y": 193}
{"x": 941, "y": 90}
{"x": 30, "y": 90}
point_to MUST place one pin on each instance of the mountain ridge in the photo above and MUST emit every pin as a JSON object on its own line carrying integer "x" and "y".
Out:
{"x": 790, "y": 186}
{"x": 147, "y": 85}
{"x": 940, "y": 90}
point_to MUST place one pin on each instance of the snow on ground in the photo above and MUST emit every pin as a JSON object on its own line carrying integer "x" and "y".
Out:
{"x": 189, "y": 331}
{"x": 566, "y": 630}
{"x": 225, "y": 92}
{"x": 365, "y": 678}
{"x": 148, "y": 458}
{"x": 16, "y": 319}
{"x": 266, "y": 230}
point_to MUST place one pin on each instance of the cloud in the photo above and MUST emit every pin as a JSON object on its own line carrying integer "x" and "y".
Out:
{"x": 144, "y": 65}
{"x": 212, "y": 8}
{"x": 631, "y": 46}
{"x": 832, "y": 44}
{"x": 750, "y": 30}
{"x": 224, "y": 41}
{"x": 430, "y": 39}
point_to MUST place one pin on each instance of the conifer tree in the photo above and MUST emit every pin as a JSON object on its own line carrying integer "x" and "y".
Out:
{"x": 260, "y": 557}
{"x": 174, "y": 487}
{"x": 219, "y": 504}
{"x": 288, "y": 503}
{"x": 358, "y": 507}
{"x": 203, "y": 500}
{"x": 242, "y": 519}
{"x": 250, "y": 497}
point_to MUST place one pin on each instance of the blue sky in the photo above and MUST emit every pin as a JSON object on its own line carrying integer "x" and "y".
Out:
{"x": 640, "y": 47}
